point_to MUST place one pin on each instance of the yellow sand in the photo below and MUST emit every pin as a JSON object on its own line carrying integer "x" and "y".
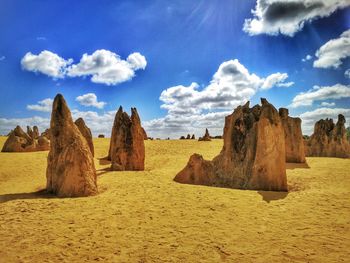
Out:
{"x": 146, "y": 217}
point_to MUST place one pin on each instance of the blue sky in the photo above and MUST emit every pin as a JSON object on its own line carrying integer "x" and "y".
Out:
{"x": 172, "y": 44}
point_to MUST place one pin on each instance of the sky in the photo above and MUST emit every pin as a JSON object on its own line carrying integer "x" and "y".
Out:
{"x": 184, "y": 64}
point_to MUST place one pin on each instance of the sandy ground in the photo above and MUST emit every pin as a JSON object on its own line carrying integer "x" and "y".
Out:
{"x": 146, "y": 217}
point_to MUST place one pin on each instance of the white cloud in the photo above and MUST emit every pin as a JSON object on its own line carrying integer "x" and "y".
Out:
{"x": 41, "y": 38}
{"x": 107, "y": 67}
{"x": 328, "y": 104}
{"x": 309, "y": 118}
{"x": 276, "y": 79}
{"x": 287, "y": 17}
{"x": 336, "y": 91}
{"x": 347, "y": 73}
{"x": 46, "y": 62}
{"x": 308, "y": 57}
{"x": 191, "y": 109}
{"x": 90, "y": 99}
{"x": 2, "y": 58}
{"x": 44, "y": 105}
{"x": 333, "y": 52}
{"x": 6, "y": 125}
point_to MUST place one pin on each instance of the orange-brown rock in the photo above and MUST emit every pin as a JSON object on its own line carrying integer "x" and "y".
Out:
{"x": 127, "y": 148}
{"x": 70, "y": 165}
{"x": 328, "y": 139}
{"x": 19, "y": 141}
{"x": 253, "y": 155}
{"x": 293, "y": 137}
{"x": 206, "y": 136}
{"x": 86, "y": 132}
{"x": 46, "y": 133}
{"x": 144, "y": 134}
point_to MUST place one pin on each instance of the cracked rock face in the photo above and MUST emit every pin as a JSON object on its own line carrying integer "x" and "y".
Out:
{"x": 328, "y": 139}
{"x": 70, "y": 165}
{"x": 127, "y": 147}
{"x": 253, "y": 155}
{"x": 295, "y": 152}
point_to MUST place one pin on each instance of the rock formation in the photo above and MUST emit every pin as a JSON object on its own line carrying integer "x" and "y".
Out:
{"x": 86, "y": 132}
{"x": 193, "y": 137}
{"x": 46, "y": 134}
{"x": 127, "y": 148}
{"x": 253, "y": 155}
{"x": 144, "y": 134}
{"x": 101, "y": 136}
{"x": 328, "y": 139}
{"x": 70, "y": 164}
{"x": 206, "y": 136}
{"x": 19, "y": 141}
{"x": 293, "y": 137}
{"x": 182, "y": 138}
{"x": 188, "y": 137}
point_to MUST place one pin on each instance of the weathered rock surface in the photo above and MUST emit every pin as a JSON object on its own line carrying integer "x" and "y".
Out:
{"x": 206, "y": 136}
{"x": 144, "y": 134}
{"x": 70, "y": 165}
{"x": 253, "y": 155}
{"x": 20, "y": 141}
{"x": 328, "y": 139}
{"x": 127, "y": 148}
{"x": 46, "y": 134}
{"x": 86, "y": 132}
{"x": 293, "y": 137}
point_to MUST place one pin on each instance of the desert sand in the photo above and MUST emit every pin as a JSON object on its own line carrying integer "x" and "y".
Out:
{"x": 145, "y": 216}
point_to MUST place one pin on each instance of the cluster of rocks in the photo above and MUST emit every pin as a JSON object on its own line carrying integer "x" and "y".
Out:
{"x": 253, "y": 155}
{"x": 30, "y": 141}
{"x": 328, "y": 139}
{"x": 188, "y": 137}
{"x": 127, "y": 148}
{"x": 206, "y": 136}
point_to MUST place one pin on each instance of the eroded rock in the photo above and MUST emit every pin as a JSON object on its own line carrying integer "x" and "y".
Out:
{"x": 206, "y": 136}
{"x": 86, "y": 132}
{"x": 253, "y": 155}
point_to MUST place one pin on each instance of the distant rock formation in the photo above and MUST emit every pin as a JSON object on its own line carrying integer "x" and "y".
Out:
{"x": 127, "y": 148}
{"x": 188, "y": 137}
{"x": 293, "y": 137}
{"x": 144, "y": 134}
{"x": 206, "y": 136}
{"x": 19, "y": 141}
{"x": 217, "y": 137}
{"x": 328, "y": 139}
{"x": 86, "y": 132}
{"x": 193, "y": 137}
{"x": 70, "y": 165}
{"x": 182, "y": 138}
{"x": 101, "y": 136}
{"x": 46, "y": 134}
{"x": 253, "y": 155}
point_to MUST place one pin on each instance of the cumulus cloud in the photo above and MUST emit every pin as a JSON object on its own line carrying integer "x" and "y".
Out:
{"x": 44, "y": 105}
{"x": 90, "y": 99}
{"x": 107, "y": 67}
{"x": 309, "y": 118}
{"x": 317, "y": 93}
{"x": 333, "y": 52}
{"x": 347, "y": 73}
{"x": 190, "y": 109}
{"x": 46, "y": 62}
{"x": 287, "y": 17}
{"x": 327, "y": 104}
{"x": 103, "y": 66}
{"x": 6, "y": 125}
{"x": 308, "y": 57}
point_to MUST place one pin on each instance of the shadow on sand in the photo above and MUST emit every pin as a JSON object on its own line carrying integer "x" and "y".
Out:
{"x": 104, "y": 161}
{"x": 21, "y": 196}
{"x": 102, "y": 171}
{"x": 269, "y": 196}
{"x": 291, "y": 166}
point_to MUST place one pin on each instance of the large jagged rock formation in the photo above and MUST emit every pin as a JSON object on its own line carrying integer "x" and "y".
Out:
{"x": 46, "y": 134}
{"x": 253, "y": 155}
{"x": 127, "y": 148}
{"x": 70, "y": 165}
{"x": 20, "y": 141}
{"x": 206, "y": 136}
{"x": 86, "y": 132}
{"x": 328, "y": 139}
{"x": 293, "y": 137}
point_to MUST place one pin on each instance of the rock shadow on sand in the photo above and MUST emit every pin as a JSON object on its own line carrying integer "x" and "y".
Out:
{"x": 292, "y": 166}
{"x": 269, "y": 196}
{"x": 41, "y": 194}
